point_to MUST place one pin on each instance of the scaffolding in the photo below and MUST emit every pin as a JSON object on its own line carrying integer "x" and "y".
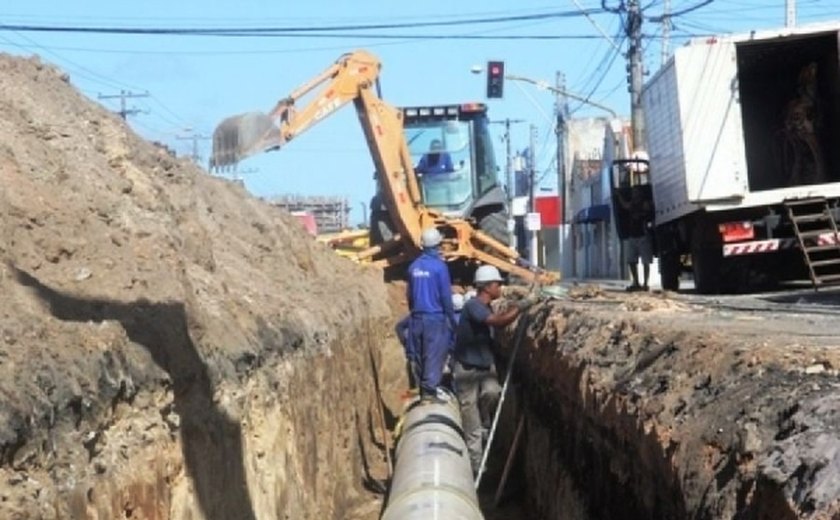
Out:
{"x": 331, "y": 213}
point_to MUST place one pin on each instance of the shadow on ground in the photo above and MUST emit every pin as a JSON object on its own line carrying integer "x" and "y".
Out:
{"x": 211, "y": 442}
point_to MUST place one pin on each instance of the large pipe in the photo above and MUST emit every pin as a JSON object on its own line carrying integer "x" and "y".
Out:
{"x": 432, "y": 478}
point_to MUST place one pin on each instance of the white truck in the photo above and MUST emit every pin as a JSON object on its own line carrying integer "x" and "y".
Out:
{"x": 743, "y": 134}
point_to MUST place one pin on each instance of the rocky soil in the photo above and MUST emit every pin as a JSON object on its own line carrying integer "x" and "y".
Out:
{"x": 170, "y": 347}
{"x": 663, "y": 406}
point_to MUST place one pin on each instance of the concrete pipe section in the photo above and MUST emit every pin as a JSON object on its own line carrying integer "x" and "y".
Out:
{"x": 432, "y": 477}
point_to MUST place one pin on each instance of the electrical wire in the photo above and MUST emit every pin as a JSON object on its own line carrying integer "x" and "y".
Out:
{"x": 288, "y": 30}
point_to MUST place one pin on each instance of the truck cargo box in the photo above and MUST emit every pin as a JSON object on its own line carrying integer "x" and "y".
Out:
{"x": 745, "y": 121}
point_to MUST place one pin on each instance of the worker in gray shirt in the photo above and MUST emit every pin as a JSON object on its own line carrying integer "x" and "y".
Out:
{"x": 474, "y": 368}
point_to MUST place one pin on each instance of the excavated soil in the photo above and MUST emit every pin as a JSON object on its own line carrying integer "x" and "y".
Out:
{"x": 663, "y": 406}
{"x": 170, "y": 347}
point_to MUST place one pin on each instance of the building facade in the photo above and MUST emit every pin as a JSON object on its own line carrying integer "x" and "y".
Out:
{"x": 332, "y": 214}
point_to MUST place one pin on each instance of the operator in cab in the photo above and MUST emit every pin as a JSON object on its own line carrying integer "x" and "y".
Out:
{"x": 432, "y": 322}
{"x": 436, "y": 160}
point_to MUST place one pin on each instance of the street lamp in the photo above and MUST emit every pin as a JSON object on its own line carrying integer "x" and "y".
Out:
{"x": 544, "y": 85}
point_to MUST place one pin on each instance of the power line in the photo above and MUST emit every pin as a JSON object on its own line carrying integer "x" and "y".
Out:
{"x": 287, "y": 30}
{"x": 597, "y": 27}
{"x": 658, "y": 19}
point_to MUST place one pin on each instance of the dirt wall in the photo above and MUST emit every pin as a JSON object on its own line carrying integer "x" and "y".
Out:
{"x": 170, "y": 347}
{"x": 643, "y": 407}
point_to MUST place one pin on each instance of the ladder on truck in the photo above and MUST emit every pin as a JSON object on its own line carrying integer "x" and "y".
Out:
{"x": 816, "y": 231}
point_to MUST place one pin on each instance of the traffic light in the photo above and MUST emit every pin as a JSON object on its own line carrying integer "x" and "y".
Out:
{"x": 495, "y": 79}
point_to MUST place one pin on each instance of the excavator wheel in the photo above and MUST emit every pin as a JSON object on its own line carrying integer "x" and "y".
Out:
{"x": 381, "y": 229}
{"x": 495, "y": 225}
{"x": 381, "y": 226}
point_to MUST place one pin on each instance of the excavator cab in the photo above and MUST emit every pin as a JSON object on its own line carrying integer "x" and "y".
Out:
{"x": 452, "y": 154}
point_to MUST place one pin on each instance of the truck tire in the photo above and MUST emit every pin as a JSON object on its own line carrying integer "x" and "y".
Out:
{"x": 669, "y": 271}
{"x": 495, "y": 225}
{"x": 706, "y": 266}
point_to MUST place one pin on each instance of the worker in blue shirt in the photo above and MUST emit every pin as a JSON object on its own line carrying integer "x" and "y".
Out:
{"x": 432, "y": 322}
{"x": 436, "y": 160}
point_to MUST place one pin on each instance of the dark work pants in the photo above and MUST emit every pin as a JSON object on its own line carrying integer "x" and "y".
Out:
{"x": 431, "y": 339}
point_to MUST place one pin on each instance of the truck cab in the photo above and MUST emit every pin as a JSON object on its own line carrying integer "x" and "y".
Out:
{"x": 452, "y": 154}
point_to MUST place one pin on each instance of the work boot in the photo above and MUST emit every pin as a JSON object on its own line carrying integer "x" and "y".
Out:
{"x": 427, "y": 398}
{"x": 444, "y": 394}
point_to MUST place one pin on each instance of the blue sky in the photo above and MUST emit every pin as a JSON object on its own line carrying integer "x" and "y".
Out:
{"x": 196, "y": 81}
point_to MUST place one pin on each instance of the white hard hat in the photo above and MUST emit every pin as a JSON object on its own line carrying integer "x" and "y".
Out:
{"x": 487, "y": 273}
{"x": 457, "y": 301}
{"x": 430, "y": 238}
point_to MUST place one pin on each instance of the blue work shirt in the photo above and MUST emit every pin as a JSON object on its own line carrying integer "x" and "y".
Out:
{"x": 435, "y": 163}
{"x": 429, "y": 286}
{"x": 474, "y": 337}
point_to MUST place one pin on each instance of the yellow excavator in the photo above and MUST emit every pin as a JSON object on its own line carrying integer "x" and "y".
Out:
{"x": 355, "y": 77}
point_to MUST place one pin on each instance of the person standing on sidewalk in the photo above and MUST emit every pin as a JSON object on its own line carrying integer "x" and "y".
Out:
{"x": 432, "y": 315}
{"x": 639, "y": 244}
{"x": 474, "y": 367}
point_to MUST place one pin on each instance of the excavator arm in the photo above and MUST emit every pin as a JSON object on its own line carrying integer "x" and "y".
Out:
{"x": 354, "y": 78}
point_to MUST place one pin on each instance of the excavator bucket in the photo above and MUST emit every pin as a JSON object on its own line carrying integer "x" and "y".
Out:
{"x": 241, "y": 136}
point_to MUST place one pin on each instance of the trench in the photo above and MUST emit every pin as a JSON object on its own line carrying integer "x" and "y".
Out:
{"x": 638, "y": 419}
{"x": 299, "y": 434}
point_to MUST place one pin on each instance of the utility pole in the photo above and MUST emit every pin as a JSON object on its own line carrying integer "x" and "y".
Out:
{"x": 124, "y": 111}
{"x": 634, "y": 54}
{"x": 790, "y": 13}
{"x": 509, "y": 177}
{"x": 561, "y": 110}
{"x": 532, "y": 203}
{"x": 194, "y": 137}
{"x": 666, "y": 31}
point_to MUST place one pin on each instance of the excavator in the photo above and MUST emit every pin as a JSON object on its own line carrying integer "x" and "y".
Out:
{"x": 400, "y": 195}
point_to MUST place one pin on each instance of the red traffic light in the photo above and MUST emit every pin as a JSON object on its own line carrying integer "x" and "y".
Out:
{"x": 495, "y": 79}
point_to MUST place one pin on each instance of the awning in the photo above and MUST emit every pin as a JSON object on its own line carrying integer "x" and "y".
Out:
{"x": 593, "y": 214}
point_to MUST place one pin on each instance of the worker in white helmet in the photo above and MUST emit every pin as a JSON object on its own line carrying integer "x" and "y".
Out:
{"x": 432, "y": 321}
{"x": 474, "y": 370}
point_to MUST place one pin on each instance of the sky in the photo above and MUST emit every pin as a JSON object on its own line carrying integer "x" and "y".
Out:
{"x": 193, "y": 82}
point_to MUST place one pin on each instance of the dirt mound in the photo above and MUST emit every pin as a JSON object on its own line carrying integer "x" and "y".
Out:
{"x": 143, "y": 299}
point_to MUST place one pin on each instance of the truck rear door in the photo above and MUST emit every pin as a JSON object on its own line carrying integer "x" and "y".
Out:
{"x": 710, "y": 115}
